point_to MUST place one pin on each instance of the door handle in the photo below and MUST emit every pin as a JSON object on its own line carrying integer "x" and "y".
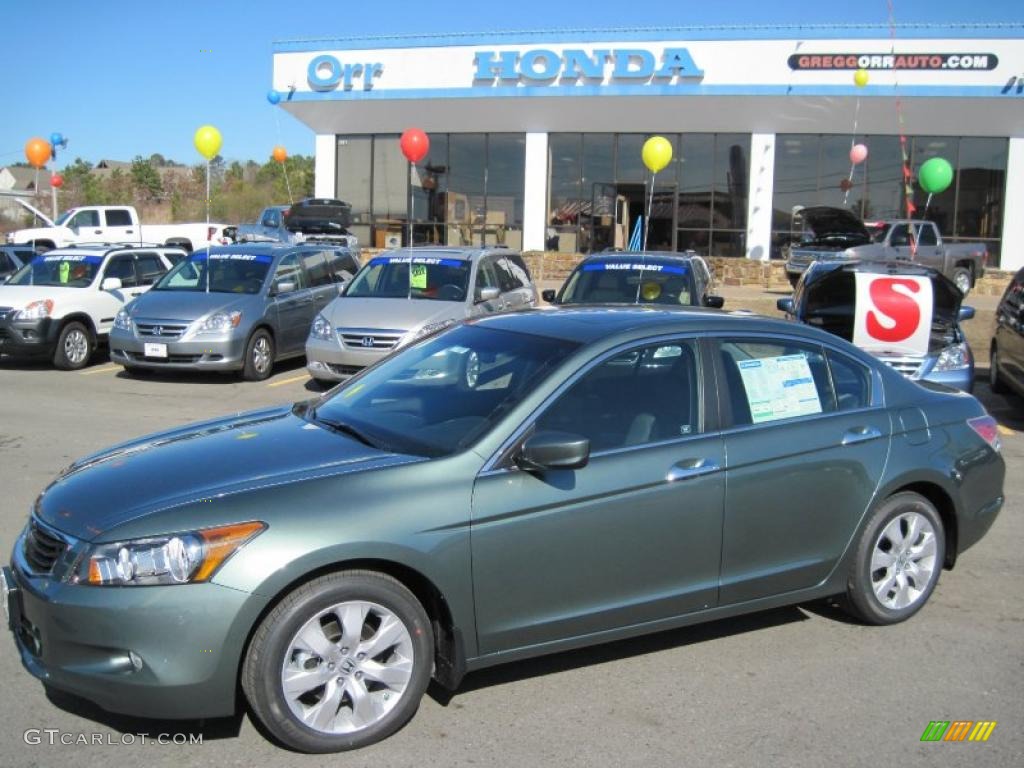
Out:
{"x": 860, "y": 435}
{"x": 688, "y": 468}
{"x": 97, "y": 231}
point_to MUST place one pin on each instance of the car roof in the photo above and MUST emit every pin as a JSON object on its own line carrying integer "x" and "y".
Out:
{"x": 623, "y": 323}
{"x": 102, "y": 249}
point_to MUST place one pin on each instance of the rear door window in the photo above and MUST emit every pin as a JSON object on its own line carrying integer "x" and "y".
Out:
{"x": 316, "y": 268}
{"x": 119, "y": 217}
{"x": 123, "y": 268}
{"x": 290, "y": 271}
{"x": 926, "y": 235}
{"x": 149, "y": 268}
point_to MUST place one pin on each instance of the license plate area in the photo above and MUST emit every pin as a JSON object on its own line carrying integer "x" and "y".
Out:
{"x": 155, "y": 350}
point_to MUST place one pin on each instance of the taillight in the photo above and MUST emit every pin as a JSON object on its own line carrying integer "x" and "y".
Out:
{"x": 987, "y": 429}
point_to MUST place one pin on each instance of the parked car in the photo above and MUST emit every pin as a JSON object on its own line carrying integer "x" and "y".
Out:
{"x": 313, "y": 219}
{"x": 113, "y": 224}
{"x": 402, "y": 295}
{"x": 13, "y": 258}
{"x": 1006, "y": 355}
{"x": 638, "y": 277}
{"x": 516, "y": 485}
{"x": 837, "y": 234}
{"x": 827, "y": 297}
{"x": 231, "y": 308}
{"x": 62, "y": 304}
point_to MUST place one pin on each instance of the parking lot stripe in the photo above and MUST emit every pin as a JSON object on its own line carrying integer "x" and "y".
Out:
{"x": 288, "y": 381}
{"x": 1005, "y": 430}
{"x": 107, "y": 369}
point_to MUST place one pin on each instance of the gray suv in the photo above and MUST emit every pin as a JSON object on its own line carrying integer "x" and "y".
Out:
{"x": 239, "y": 307}
{"x": 399, "y": 296}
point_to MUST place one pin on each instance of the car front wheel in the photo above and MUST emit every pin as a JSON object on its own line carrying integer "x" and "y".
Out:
{"x": 259, "y": 356}
{"x": 342, "y": 662}
{"x": 74, "y": 347}
{"x": 898, "y": 561}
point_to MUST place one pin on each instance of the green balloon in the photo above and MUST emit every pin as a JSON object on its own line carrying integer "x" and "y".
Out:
{"x": 935, "y": 175}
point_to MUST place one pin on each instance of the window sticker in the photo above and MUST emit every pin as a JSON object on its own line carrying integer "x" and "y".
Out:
{"x": 418, "y": 276}
{"x": 893, "y": 314}
{"x": 615, "y": 266}
{"x": 779, "y": 388}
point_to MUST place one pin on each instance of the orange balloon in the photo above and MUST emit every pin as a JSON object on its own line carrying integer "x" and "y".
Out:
{"x": 37, "y": 152}
{"x": 280, "y": 154}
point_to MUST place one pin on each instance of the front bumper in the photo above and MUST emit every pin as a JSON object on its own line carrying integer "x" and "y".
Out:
{"x": 28, "y": 338}
{"x": 213, "y": 354}
{"x": 162, "y": 652}
{"x": 329, "y": 361}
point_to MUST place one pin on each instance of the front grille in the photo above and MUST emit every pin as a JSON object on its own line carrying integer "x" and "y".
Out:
{"x": 908, "y": 366}
{"x": 369, "y": 339}
{"x": 155, "y": 329}
{"x": 43, "y": 547}
{"x": 345, "y": 370}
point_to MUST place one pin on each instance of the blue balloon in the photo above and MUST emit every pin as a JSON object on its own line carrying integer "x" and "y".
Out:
{"x": 273, "y": 96}
{"x": 56, "y": 139}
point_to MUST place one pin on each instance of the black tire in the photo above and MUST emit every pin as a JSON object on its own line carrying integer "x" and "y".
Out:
{"x": 995, "y": 381}
{"x": 793, "y": 280}
{"x": 259, "y": 356}
{"x": 74, "y": 347}
{"x": 962, "y": 277}
{"x": 861, "y": 600}
{"x": 134, "y": 370}
{"x": 266, "y": 655}
{"x": 324, "y": 384}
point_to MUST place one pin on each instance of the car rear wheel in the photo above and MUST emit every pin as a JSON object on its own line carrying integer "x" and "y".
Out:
{"x": 898, "y": 560}
{"x": 962, "y": 279}
{"x": 340, "y": 663}
{"x": 259, "y": 356}
{"x": 995, "y": 382}
{"x": 74, "y": 347}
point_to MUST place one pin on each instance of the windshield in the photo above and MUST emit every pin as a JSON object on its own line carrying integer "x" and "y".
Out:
{"x": 630, "y": 282}
{"x": 438, "y": 397}
{"x": 64, "y": 270}
{"x": 217, "y": 273}
{"x": 388, "y": 277}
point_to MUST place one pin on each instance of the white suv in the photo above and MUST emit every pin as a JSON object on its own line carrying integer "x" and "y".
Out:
{"x": 63, "y": 303}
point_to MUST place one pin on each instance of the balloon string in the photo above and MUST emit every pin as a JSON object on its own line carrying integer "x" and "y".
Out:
{"x": 287, "y": 183}
{"x": 650, "y": 204}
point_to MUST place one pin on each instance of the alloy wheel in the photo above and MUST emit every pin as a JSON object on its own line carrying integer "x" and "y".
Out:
{"x": 261, "y": 354}
{"x": 903, "y": 561}
{"x": 76, "y": 347}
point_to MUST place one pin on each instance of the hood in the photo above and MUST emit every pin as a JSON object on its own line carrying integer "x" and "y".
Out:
{"x": 18, "y": 296}
{"x": 824, "y": 221}
{"x": 190, "y": 305}
{"x": 827, "y": 301}
{"x": 394, "y": 314}
{"x": 167, "y": 469}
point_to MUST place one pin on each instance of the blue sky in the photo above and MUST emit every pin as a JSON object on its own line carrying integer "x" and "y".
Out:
{"x": 122, "y": 78}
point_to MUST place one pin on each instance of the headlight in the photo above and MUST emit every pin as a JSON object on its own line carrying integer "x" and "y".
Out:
{"x": 181, "y": 558}
{"x": 220, "y": 322}
{"x": 425, "y": 330}
{"x": 953, "y": 357}
{"x": 321, "y": 329}
{"x": 123, "y": 321}
{"x": 37, "y": 310}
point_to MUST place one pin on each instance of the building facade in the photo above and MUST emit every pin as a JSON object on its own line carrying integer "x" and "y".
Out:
{"x": 535, "y": 138}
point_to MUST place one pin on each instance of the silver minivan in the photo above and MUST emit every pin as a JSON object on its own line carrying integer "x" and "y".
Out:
{"x": 402, "y": 295}
{"x": 233, "y": 308}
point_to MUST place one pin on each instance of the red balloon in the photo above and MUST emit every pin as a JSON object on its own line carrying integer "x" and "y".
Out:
{"x": 37, "y": 152}
{"x": 415, "y": 145}
{"x": 56, "y": 180}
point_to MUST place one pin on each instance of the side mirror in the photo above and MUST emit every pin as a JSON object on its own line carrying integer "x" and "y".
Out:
{"x": 966, "y": 313}
{"x": 548, "y": 294}
{"x": 785, "y": 305}
{"x": 554, "y": 450}
{"x": 487, "y": 294}
{"x": 285, "y": 286}
{"x": 111, "y": 284}
{"x": 715, "y": 302}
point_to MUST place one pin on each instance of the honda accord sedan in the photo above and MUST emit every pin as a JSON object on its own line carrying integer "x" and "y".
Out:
{"x": 509, "y": 487}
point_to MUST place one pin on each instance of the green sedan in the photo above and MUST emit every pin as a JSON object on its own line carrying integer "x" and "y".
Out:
{"x": 509, "y": 487}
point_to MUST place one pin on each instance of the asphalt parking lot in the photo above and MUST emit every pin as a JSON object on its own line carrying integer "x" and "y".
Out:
{"x": 800, "y": 686}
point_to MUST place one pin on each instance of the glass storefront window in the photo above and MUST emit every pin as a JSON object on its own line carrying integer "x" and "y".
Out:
{"x": 566, "y": 202}
{"x": 430, "y": 192}
{"x": 980, "y": 185}
{"x": 390, "y": 188}
{"x": 465, "y": 201}
{"x": 355, "y": 161}
{"x": 506, "y": 162}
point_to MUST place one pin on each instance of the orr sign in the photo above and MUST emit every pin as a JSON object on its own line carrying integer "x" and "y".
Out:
{"x": 542, "y": 65}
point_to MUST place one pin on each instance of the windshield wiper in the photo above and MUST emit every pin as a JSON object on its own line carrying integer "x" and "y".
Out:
{"x": 346, "y": 429}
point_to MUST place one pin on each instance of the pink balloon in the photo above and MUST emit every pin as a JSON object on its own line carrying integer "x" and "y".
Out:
{"x": 858, "y": 154}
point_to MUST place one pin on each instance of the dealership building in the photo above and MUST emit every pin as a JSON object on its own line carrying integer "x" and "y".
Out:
{"x": 536, "y": 137}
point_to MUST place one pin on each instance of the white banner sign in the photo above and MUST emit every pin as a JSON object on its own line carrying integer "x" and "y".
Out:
{"x": 893, "y": 314}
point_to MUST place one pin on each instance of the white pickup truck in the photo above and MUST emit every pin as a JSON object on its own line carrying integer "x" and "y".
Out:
{"x": 112, "y": 224}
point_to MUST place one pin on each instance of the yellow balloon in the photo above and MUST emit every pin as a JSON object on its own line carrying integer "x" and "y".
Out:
{"x": 208, "y": 141}
{"x": 860, "y": 78}
{"x": 657, "y": 153}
